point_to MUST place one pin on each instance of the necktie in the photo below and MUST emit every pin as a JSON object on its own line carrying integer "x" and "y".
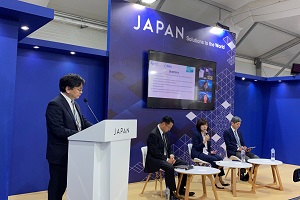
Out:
{"x": 75, "y": 116}
{"x": 165, "y": 143}
{"x": 237, "y": 139}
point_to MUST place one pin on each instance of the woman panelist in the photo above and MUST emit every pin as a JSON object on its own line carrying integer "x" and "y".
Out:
{"x": 202, "y": 149}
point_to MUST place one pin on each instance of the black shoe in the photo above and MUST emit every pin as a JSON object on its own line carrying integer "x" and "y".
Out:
{"x": 182, "y": 192}
{"x": 219, "y": 187}
{"x": 173, "y": 197}
{"x": 244, "y": 177}
{"x": 225, "y": 184}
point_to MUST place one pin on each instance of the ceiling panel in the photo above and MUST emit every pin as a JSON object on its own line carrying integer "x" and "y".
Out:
{"x": 234, "y": 4}
{"x": 193, "y": 10}
{"x": 261, "y": 40}
{"x": 92, "y": 9}
{"x": 290, "y": 23}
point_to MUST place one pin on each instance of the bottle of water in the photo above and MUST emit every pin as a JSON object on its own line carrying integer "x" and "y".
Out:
{"x": 272, "y": 154}
{"x": 243, "y": 155}
{"x": 167, "y": 194}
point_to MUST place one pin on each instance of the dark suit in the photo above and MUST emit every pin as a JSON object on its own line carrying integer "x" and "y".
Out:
{"x": 156, "y": 159}
{"x": 197, "y": 151}
{"x": 231, "y": 144}
{"x": 60, "y": 125}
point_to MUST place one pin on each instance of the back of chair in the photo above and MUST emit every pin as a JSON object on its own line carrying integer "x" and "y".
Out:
{"x": 197, "y": 160}
{"x": 190, "y": 145}
{"x": 144, "y": 154}
{"x": 233, "y": 158}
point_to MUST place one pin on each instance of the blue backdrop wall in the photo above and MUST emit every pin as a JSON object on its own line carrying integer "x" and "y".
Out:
{"x": 269, "y": 110}
{"x": 281, "y": 127}
{"x": 37, "y": 77}
{"x": 133, "y": 31}
{"x": 248, "y": 104}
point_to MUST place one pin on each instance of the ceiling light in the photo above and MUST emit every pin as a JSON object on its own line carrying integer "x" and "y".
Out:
{"x": 25, "y": 28}
{"x": 148, "y": 1}
{"x": 243, "y": 78}
{"x": 279, "y": 81}
{"x": 255, "y": 80}
{"x": 216, "y": 30}
{"x": 36, "y": 47}
{"x": 139, "y": 6}
{"x": 72, "y": 53}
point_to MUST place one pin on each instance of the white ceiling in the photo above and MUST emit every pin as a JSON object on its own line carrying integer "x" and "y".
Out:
{"x": 274, "y": 41}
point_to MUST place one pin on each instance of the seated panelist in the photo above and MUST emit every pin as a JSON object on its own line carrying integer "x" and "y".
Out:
{"x": 202, "y": 149}
{"x": 159, "y": 156}
{"x": 235, "y": 143}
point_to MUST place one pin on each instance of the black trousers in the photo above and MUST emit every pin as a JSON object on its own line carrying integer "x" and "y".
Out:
{"x": 58, "y": 181}
{"x": 169, "y": 174}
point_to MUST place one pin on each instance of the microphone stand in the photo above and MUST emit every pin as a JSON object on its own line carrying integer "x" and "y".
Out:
{"x": 85, "y": 100}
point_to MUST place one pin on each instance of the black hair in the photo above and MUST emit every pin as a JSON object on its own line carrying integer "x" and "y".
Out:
{"x": 70, "y": 80}
{"x": 201, "y": 122}
{"x": 167, "y": 120}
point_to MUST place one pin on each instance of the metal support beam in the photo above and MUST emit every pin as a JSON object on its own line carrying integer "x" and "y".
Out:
{"x": 212, "y": 3}
{"x": 160, "y": 4}
{"x": 246, "y": 34}
{"x": 280, "y": 29}
{"x": 257, "y": 63}
{"x": 280, "y": 48}
{"x": 292, "y": 60}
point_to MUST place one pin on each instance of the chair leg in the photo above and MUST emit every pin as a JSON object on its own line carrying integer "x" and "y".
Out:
{"x": 160, "y": 180}
{"x": 156, "y": 178}
{"x": 146, "y": 182}
{"x": 227, "y": 172}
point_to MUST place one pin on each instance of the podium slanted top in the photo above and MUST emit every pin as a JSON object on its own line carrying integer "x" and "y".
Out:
{"x": 108, "y": 130}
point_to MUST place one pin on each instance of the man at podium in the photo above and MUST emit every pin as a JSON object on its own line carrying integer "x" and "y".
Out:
{"x": 159, "y": 156}
{"x": 63, "y": 118}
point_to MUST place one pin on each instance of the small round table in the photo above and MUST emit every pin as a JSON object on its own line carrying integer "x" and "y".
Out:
{"x": 198, "y": 170}
{"x": 274, "y": 163}
{"x": 233, "y": 165}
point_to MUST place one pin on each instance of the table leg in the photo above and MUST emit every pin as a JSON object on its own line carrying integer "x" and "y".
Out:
{"x": 212, "y": 185}
{"x": 179, "y": 183}
{"x": 250, "y": 172}
{"x": 204, "y": 185}
{"x": 233, "y": 181}
{"x": 278, "y": 177}
{"x": 274, "y": 175}
{"x": 255, "y": 166}
{"x": 187, "y": 187}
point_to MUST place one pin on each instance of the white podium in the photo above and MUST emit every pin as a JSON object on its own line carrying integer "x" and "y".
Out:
{"x": 98, "y": 163}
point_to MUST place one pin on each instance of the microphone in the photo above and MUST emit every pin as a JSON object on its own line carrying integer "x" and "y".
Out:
{"x": 86, "y": 101}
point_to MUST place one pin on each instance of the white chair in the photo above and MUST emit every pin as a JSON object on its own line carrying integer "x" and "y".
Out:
{"x": 197, "y": 160}
{"x": 158, "y": 174}
{"x": 233, "y": 158}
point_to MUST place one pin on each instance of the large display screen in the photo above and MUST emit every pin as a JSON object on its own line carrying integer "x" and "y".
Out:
{"x": 180, "y": 82}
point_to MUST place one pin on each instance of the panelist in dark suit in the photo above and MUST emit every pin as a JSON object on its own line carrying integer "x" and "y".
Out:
{"x": 202, "y": 149}
{"x": 235, "y": 143}
{"x": 159, "y": 155}
{"x": 63, "y": 118}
